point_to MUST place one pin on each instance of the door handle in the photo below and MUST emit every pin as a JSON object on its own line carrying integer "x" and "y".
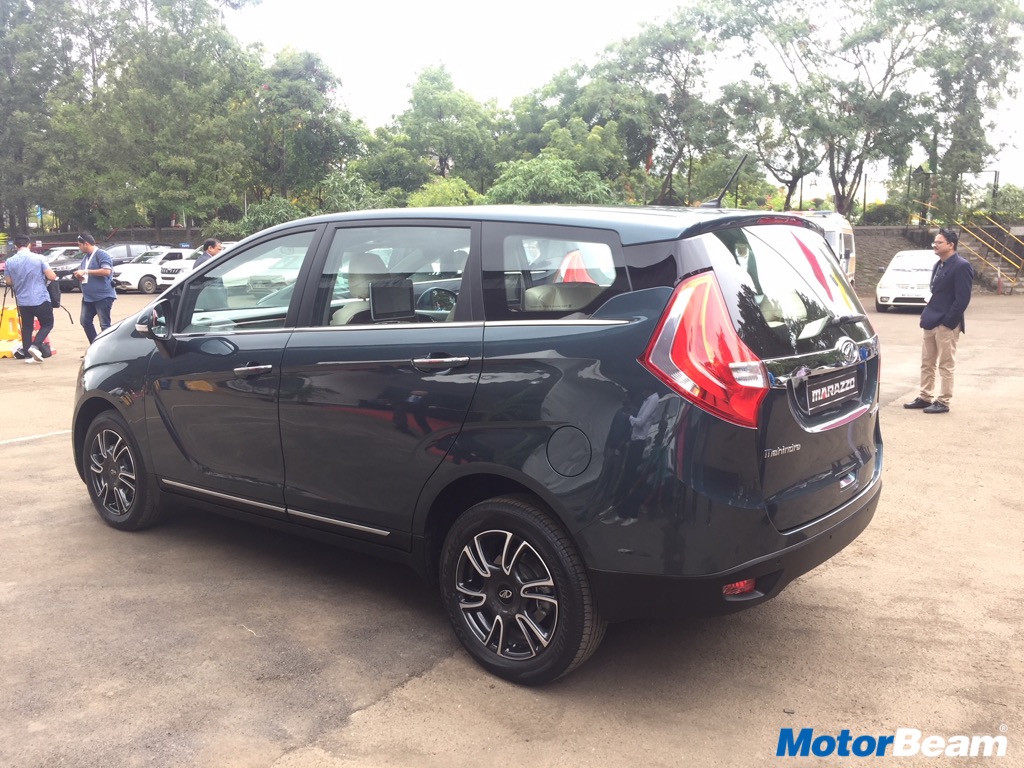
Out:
{"x": 439, "y": 363}
{"x": 248, "y": 371}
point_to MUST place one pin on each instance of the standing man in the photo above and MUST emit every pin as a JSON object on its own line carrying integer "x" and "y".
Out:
{"x": 943, "y": 322}
{"x": 98, "y": 292}
{"x": 210, "y": 249}
{"x": 28, "y": 272}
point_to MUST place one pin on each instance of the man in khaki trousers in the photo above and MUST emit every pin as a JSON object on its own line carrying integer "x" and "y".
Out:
{"x": 943, "y": 322}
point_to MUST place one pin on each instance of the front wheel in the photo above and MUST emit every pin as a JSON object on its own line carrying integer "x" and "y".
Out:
{"x": 517, "y": 593}
{"x": 147, "y": 284}
{"x": 116, "y": 477}
{"x": 879, "y": 307}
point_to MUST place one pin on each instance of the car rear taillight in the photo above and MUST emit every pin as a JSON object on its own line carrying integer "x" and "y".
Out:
{"x": 696, "y": 351}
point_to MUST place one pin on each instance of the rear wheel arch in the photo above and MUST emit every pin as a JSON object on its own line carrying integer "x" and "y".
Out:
{"x": 460, "y": 495}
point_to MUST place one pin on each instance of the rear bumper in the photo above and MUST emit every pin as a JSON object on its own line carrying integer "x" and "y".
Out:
{"x": 622, "y": 596}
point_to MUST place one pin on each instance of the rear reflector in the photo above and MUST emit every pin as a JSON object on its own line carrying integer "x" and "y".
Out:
{"x": 696, "y": 351}
{"x": 744, "y": 587}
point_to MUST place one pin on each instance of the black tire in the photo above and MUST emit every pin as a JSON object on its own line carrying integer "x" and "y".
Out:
{"x": 147, "y": 284}
{"x": 881, "y": 307}
{"x": 119, "y": 486}
{"x": 517, "y": 593}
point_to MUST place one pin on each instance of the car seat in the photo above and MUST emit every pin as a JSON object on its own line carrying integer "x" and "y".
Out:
{"x": 560, "y": 297}
{"x": 362, "y": 270}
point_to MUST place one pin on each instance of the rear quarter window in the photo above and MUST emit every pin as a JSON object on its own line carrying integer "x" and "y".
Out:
{"x": 545, "y": 272}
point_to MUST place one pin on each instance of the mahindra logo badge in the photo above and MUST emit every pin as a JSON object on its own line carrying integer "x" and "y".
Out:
{"x": 505, "y": 595}
{"x": 849, "y": 350}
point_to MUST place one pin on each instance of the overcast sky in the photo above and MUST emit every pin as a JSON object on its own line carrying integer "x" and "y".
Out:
{"x": 492, "y": 52}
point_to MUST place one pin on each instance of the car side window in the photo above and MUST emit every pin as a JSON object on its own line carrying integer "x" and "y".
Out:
{"x": 249, "y": 290}
{"x": 550, "y": 275}
{"x": 392, "y": 275}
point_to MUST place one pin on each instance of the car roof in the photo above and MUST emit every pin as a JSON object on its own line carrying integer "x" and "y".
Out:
{"x": 632, "y": 224}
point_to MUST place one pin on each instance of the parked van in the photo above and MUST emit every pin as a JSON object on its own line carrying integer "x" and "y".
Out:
{"x": 839, "y": 234}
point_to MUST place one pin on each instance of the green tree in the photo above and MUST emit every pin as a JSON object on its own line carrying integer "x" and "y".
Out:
{"x": 298, "y": 133}
{"x": 450, "y": 128}
{"x": 437, "y": 191}
{"x": 343, "y": 191}
{"x": 748, "y": 189}
{"x": 858, "y": 76}
{"x": 548, "y": 179}
{"x": 34, "y": 61}
{"x": 661, "y": 74}
{"x": 268, "y": 213}
{"x": 172, "y": 137}
{"x": 391, "y": 165}
{"x": 775, "y": 120}
{"x": 969, "y": 73}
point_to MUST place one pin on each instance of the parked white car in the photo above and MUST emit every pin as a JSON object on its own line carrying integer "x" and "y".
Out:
{"x": 172, "y": 273}
{"x": 906, "y": 282}
{"x": 143, "y": 272}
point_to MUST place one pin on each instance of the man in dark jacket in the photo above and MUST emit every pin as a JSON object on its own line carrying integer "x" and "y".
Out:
{"x": 943, "y": 322}
{"x": 211, "y": 248}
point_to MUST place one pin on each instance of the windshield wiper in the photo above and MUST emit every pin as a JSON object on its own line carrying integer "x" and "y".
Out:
{"x": 845, "y": 319}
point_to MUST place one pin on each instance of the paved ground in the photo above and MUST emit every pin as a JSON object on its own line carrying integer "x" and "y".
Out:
{"x": 211, "y": 643}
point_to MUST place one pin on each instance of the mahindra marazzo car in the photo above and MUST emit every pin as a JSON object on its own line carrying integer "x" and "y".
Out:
{"x": 564, "y": 416}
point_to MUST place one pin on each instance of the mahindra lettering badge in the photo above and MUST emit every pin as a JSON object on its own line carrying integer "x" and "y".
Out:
{"x": 849, "y": 350}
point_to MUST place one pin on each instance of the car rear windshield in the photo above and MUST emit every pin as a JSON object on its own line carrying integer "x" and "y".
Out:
{"x": 782, "y": 288}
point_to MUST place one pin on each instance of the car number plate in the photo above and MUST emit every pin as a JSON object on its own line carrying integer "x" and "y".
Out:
{"x": 826, "y": 391}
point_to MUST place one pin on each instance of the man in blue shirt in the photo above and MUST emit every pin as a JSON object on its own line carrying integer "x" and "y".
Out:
{"x": 943, "y": 322}
{"x": 28, "y": 272}
{"x": 98, "y": 292}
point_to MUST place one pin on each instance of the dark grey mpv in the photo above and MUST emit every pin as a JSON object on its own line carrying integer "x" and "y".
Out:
{"x": 563, "y": 416}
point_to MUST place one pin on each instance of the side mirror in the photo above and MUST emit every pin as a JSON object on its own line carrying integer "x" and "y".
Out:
{"x": 881, "y": 270}
{"x": 154, "y": 323}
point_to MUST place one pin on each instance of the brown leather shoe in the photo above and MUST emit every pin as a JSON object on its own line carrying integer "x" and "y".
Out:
{"x": 918, "y": 402}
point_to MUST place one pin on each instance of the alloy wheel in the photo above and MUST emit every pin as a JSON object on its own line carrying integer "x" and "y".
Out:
{"x": 111, "y": 472}
{"x": 507, "y": 595}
